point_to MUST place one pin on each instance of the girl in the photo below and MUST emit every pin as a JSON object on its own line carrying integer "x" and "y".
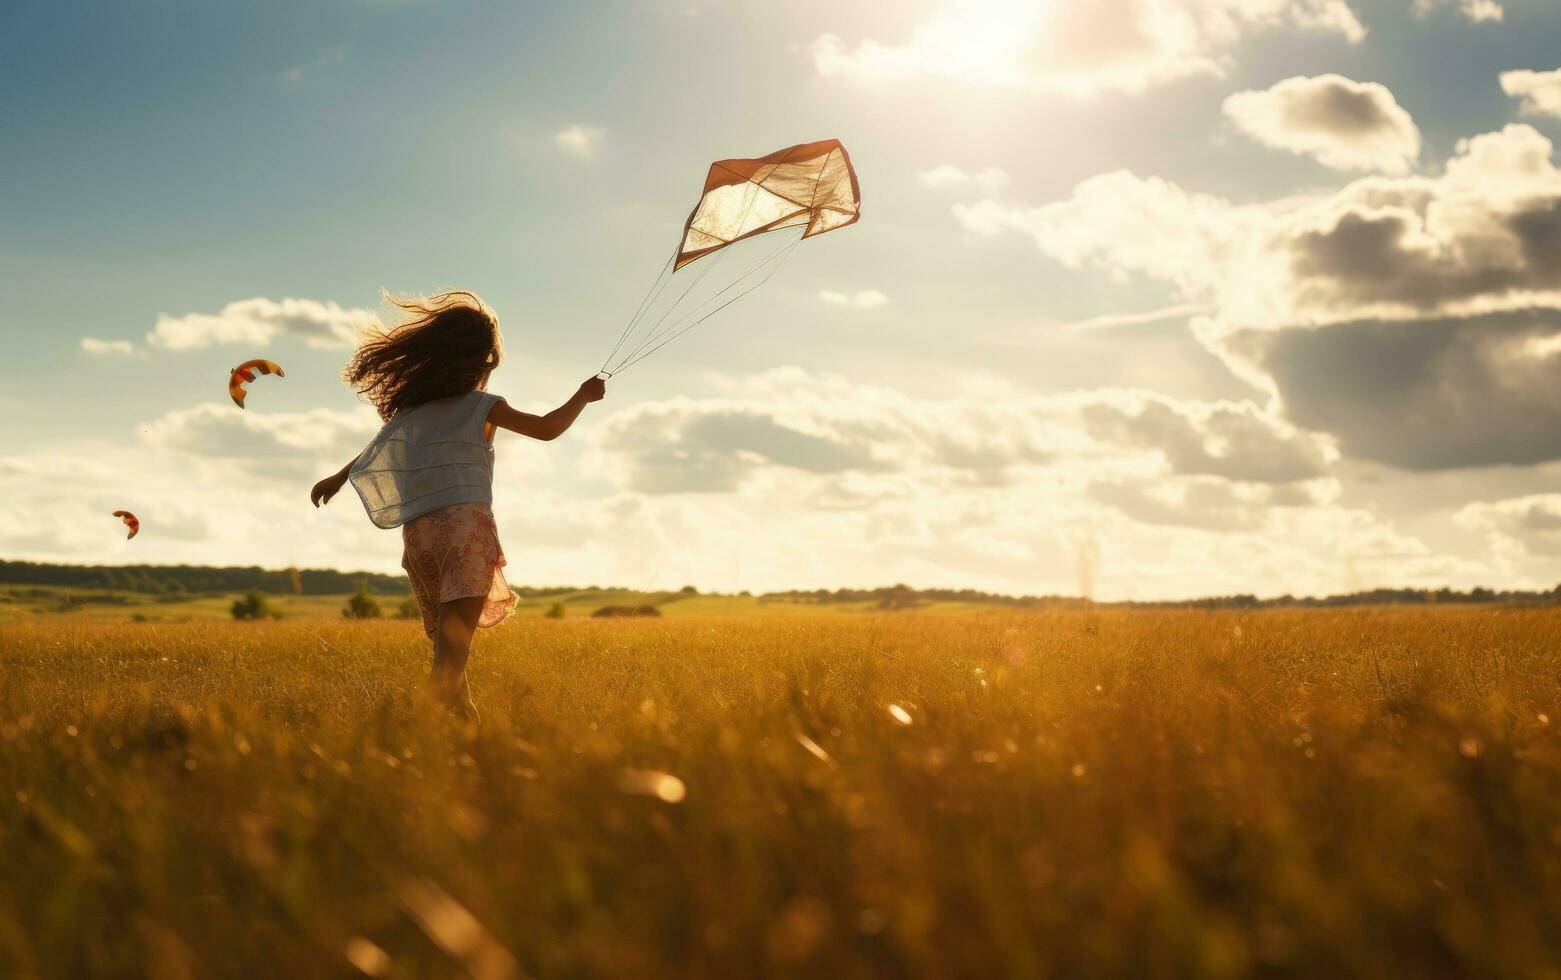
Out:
{"x": 430, "y": 469}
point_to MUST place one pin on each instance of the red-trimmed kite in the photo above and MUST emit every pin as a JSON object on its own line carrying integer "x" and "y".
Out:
{"x": 810, "y": 185}
{"x": 245, "y": 373}
{"x": 131, "y": 521}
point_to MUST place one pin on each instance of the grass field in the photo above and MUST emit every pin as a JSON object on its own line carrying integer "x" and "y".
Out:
{"x": 789, "y": 793}
{"x": 112, "y": 606}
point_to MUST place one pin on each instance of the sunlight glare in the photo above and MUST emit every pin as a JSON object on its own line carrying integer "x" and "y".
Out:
{"x": 985, "y": 41}
{"x": 649, "y": 782}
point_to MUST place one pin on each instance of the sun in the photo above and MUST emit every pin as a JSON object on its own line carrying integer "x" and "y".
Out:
{"x": 983, "y": 41}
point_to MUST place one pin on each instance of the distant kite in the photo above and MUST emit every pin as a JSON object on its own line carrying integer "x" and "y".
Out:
{"x": 245, "y": 373}
{"x": 131, "y": 521}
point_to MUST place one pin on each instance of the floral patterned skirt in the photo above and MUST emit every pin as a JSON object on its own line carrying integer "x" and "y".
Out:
{"x": 454, "y": 553}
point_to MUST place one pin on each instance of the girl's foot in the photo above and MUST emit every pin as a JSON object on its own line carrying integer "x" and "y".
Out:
{"x": 461, "y": 704}
{"x": 455, "y": 698}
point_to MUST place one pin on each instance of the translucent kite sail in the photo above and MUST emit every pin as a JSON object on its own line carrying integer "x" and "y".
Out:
{"x": 810, "y": 186}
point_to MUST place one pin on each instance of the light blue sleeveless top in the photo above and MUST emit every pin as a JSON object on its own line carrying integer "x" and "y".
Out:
{"x": 431, "y": 456}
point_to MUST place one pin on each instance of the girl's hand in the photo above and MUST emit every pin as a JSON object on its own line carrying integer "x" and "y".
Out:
{"x": 326, "y": 489}
{"x": 593, "y": 390}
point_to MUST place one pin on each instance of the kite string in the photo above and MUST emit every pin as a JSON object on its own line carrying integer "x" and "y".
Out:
{"x": 774, "y": 260}
{"x": 718, "y": 309}
{"x": 673, "y": 305}
{"x": 656, "y": 335}
{"x": 753, "y": 196}
{"x": 651, "y": 295}
{"x": 779, "y": 256}
{"x": 753, "y": 188}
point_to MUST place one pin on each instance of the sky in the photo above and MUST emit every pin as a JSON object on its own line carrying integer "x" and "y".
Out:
{"x": 1149, "y": 298}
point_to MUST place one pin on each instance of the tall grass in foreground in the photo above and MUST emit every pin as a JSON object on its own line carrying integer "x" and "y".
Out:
{"x": 990, "y": 794}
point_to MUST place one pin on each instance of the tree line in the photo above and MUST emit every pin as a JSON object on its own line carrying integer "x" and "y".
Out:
{"x": 905, "y": 597}
{"x": 207, "y": 579}
{"x": 199, "y": 579}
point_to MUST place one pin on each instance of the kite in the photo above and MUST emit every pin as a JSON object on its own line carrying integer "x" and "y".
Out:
{"x": 245, "y": 373}
{"x": 131, "y": 521}
{"x": 811, "y": 186}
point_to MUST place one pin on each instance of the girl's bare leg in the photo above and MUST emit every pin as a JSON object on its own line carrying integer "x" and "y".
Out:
{"x": 452, "y": 646}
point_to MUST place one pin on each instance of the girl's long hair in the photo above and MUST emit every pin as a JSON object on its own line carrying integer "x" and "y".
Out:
{"x": 448, "y": 347}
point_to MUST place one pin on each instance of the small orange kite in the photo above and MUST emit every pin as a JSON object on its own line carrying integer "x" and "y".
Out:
{"x": 245, "y": 373}
{"x": 131, "y": 521}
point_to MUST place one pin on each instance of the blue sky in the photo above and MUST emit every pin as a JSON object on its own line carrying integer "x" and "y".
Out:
{"x": 172, "y": 159}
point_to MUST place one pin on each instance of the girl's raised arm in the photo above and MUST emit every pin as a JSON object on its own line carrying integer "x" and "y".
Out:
{"x": 555, "y": 423}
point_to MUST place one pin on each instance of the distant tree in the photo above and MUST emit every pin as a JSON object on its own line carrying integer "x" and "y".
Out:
{"x": 899, "y": 597}
{"x": 362, "y": 605}
{"x": 555, "y": 611}
{"x": 688, "y": 590}
{"x": 408, "y": 609}
{"x": 609, "y": 612}
{"x": 253, "y": 606}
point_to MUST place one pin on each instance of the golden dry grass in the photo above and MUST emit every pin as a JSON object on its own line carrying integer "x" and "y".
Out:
{"x": 1078, "y": 794}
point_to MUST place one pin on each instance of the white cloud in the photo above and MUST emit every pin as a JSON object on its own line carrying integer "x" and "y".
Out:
{"x": 1539, "y": 92}
{"x": 1478, "y": 11}
{"x": 282, "y": 445}
{"x": 1483, "y": 11}
{"x": 1079, "y": 48}
{"x": 791, "y": 420}
{"x": 59, "y": 504}
{"x": 988, "y": 179}
{"x": 580, "y": 140}
{"x": 1528, "y": 526}
{"x": 1422, "y": 394}
{"x": 1111, "y": 321}
{"x": 256, "y": 322}
{"x": 1413, "y": 317}
{"x": 830, "y": 480}
{"x": 1477, "y": 239}
{"x": 1130, "y": 223}
{"x": 1230, "y": 440}
{"x": 93, "y": 345}
{"x": 1342, "y": 123}
{"x": 792, "y": 480}
{"x": 862, "y": 299}
{"x": 1206, "y": 502}
{"x": 211, "y": 485}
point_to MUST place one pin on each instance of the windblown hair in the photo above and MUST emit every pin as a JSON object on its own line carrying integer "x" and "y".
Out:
{"x": 448, "y": 347}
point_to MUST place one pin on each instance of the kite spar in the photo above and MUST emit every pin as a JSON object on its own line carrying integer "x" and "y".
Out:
{"x": 811, "y": 186}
